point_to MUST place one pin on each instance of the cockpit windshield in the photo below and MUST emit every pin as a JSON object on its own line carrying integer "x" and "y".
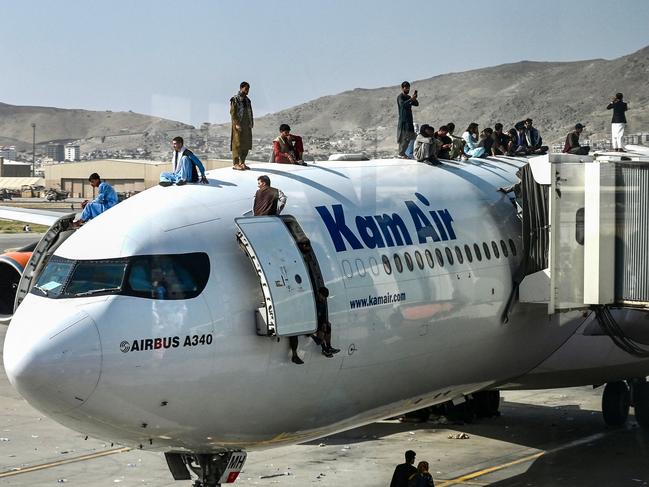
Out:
{"x": 177, "y": 276}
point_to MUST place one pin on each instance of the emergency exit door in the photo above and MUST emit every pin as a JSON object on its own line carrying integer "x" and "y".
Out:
{"x": 289, "y": 302}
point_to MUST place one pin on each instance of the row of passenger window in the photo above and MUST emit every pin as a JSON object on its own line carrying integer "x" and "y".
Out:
{"x": 449, "y": 256}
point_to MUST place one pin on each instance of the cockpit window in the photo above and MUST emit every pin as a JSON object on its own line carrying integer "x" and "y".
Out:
{"x": 53, "y": 278}
{"x": 167, "y": 276}
{"x": 95, "y": 277}
{"x": 179, "y": 276}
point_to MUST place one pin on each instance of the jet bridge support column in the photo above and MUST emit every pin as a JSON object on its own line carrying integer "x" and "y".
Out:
{"x": 599, "y": 233}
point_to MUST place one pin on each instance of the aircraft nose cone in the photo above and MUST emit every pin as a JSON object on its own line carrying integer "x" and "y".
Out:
{"x": 53, "y": 363}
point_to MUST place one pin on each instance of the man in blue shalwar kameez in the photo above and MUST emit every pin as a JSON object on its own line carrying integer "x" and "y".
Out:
{"x": 106, "y": 198}
{"x": 183, "y": 162}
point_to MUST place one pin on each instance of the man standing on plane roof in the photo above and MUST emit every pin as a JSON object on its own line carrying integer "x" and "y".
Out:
{"x": 242, "y": 123}
{"x": 405, "y": 127}
{"x": 618, "y": 123}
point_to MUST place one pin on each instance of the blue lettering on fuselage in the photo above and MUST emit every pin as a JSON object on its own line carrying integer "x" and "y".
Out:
{"x": 378, "y": 231}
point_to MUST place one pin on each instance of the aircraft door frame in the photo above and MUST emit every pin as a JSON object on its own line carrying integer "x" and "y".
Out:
{"x": 289, "y": 307}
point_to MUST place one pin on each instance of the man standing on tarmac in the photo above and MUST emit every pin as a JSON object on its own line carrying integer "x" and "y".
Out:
{"x": 405, "y": 127}
{"x": 242, "y": 123}
{"x": 404, "y": 471}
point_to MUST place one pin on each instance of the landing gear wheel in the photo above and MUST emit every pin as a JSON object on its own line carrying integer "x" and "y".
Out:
{"x": 641, "y": 404}
{"x": 616, "y": 401}
{"x": 487, "y": 403}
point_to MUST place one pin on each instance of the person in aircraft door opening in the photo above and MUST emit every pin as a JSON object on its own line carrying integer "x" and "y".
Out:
{"x": 271, "y": 201}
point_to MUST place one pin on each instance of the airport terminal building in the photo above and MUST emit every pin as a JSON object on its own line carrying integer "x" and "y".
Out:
{"x": 125, "y": 175}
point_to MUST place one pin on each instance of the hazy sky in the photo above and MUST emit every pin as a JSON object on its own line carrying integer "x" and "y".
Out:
{"x": 184, "y": 59}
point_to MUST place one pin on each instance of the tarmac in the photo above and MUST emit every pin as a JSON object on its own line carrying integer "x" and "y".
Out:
{"x": 542, "y": 438}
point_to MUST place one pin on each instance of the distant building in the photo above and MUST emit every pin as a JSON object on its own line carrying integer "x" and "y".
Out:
{"x": 72, "y": 153}
{"x": 8, "y": 152}
{"x": 56, "y": 152}
{"x": 641, "y": 138}
{"x": 124, "y": 175}
{"x": 12, "y": 169}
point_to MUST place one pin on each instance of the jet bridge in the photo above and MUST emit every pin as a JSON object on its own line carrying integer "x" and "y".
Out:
{"x": 586, "y": 230}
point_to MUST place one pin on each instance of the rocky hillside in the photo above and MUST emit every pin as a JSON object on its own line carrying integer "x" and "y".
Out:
{"x": 54, "y": 124}
{"x": 555, "y": 95}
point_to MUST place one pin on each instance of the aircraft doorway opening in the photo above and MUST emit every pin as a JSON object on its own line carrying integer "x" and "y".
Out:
{"x": 287, "y": 269}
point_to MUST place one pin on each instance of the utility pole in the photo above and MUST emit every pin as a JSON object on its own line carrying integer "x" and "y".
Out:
{"x": 33, "y": 149}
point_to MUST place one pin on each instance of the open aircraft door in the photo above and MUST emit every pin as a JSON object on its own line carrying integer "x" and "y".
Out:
{"x": 289, "y": 301}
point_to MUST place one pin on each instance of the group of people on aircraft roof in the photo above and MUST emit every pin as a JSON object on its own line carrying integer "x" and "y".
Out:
{"x": 425, "y": 144}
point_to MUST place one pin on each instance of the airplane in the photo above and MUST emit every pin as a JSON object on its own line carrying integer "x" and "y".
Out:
{"x": 163, "y": 324}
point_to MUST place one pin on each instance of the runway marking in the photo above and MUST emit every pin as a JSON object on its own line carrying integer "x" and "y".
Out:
{"x": 43, "y": 466}
{"x": 465, "y": 479}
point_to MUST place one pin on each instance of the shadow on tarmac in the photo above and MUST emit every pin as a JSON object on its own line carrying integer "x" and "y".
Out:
{"x": 612, "y": 457}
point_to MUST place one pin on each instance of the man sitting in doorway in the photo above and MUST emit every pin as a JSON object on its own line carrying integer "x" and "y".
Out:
{"x": 288, "y": 148}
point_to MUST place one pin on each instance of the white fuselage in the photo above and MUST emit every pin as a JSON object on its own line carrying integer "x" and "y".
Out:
{"x": 201, "y": 379}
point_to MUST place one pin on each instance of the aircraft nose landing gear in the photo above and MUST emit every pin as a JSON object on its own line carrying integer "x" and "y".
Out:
{"x": 212, "y": 469}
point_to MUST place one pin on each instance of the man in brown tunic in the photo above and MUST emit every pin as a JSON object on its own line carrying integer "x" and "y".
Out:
{"x": 242, "y": 123}
{"x": 268, "y": 200}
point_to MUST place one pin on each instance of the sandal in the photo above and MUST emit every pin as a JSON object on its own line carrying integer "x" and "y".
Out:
{"x": 238, "y": 167}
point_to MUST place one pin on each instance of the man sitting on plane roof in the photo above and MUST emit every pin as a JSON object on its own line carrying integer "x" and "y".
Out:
{"x": 184, "y": 164}
{"x": 288, "y": 148}
{"x": 106, "y": 199}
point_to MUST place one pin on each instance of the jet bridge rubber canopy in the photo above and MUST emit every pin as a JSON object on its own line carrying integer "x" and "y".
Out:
{"x": 289, "y": 302}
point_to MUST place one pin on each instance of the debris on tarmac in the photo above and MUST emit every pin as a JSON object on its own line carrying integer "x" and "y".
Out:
{"x": 458, "y": 436}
